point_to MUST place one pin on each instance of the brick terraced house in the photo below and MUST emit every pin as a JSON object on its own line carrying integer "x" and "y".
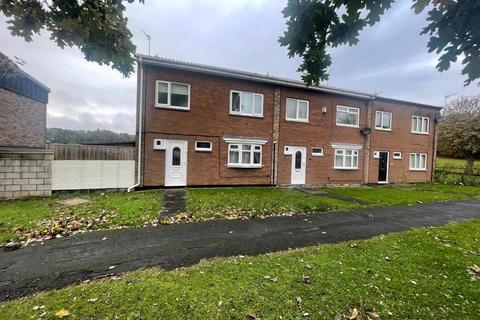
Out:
{"x": 202, "y": 126}
{"x": 25, "y": 162}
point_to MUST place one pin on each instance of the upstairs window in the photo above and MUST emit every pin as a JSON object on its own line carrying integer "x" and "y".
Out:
{"x": 348, "y": 116}
{"x": 244, "y": 155}
{"x": 418, "y": 161}
{"x": 172, "y": 95}
{"x": 383, "y": 120}
{"x": 420, "y": 124}
{"x": 297, "y": 110}
{"x": 246, "y": 103}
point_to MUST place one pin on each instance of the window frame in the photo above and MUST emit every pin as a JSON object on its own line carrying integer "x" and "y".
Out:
{"x": 419, "y": 154}
{"x": 399, "y": 155}
{"x": 348, "y": 111}
{"x": 297, "y": 119}
{"x": 200, "y": 149}
{"x": 381, "y": 120}
{"x": 355, "y": 153}
{"x": 318, "y": 154}
{"x": 246, "y": 114}
{"x": 240, "y": 150}
{"x": 169, "y": 105}
{"x": 420, "y": 132}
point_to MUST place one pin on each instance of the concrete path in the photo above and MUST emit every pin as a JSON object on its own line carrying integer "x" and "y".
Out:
{"x": 316, "y": 192}
{"x": 174, "y": 201}
{"x": 59, "y": 262}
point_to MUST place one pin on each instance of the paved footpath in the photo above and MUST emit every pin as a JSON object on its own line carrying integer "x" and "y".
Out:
{"x": 60, "y": 262}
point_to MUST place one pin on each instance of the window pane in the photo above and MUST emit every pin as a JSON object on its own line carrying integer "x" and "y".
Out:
{"x": 412, "y": 161}
{"x": 235, "y": 101}
{"x": 348, "y": 161}
{"x": 258, "y": 148}
{"x": 247, "y": 101}
{"x": 355, "y": 161}
{"x": 425, "y": 125}
{"x": 246, "y": 147}
{"x": 234, "y": 146}
{"x": 378, "y": 120}
{"x": 203, "y": 145}
{"x": 348, "y": 118}
{"x": 298, "y": 160}
{"x": 352, "y": 119}
{"x": 256, "y": 157}
{"x": 176, "y": 156}
{"x": 291, "y": 109}
{"x": 414, "y": 124}
{"x": 258, "y": 104}
{"x": 423, "y": 163}
{"x": 387, "y": 118}
{"x": 338, "y": 161}
{"x": 162, "y": 96}
{"x": 233, "y": 156}
{"x": 246, "y": 157}
{"x": 302, "y": 110}
{"x": 179, "y": 96}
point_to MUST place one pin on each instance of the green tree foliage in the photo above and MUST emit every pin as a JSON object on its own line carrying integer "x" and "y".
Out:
{"x": 97, "y": 27}
{"x": 57, "y": 135}
{"x": 459, "y": 132}
{"x": 315, "y": 25}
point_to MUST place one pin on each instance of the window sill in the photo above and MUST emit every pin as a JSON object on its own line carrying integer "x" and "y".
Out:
{"x": 203, "y": 150}
{"x": 296, "y": 120}
{"x": 418, "y": 170}
{"x": 422, "y": 133}
{"x": 347, "y": 125}
{"x": 246, "y": 115}
{"x": 243, "y": 166}
{"x": 380, "y": 129}
{"x": 168, "y": 107}
{"x": 349, "y": 169}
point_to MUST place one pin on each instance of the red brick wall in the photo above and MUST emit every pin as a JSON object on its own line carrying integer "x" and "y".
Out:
{"x": 22, "y": 121}
{"x": 403, "y": 140}
{"x": 207, "y": 119}
{"x": 320, "y": 131}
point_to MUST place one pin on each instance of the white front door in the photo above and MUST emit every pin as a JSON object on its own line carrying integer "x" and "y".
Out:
{"x": 176, "y": 163}
{"x": 299, "y": 164}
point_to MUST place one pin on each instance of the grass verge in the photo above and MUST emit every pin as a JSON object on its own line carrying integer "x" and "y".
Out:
{"x": 45, "y": 217}
{"x": 408, "y": 193}
{"x": 251, "y": 202}
{"x": 420, "y": 274}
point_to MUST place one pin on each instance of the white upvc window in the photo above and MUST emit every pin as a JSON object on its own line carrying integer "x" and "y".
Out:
{"x": 244, "y": 155}
{"x": 346, "y": 159}
{"x": 246, "y": 103}
{"x": 383, "y": 120}
{"x": 418, "y": 161}
{"x": 317, "y": 151}
{"x": 348, "y": 116}
{"x": 397, "y": 155}
{"x": 420, "y": 124}
{"x": 173, "y": 95}
{"x": 205, "y": 146}
{"x": 297, "y": 110}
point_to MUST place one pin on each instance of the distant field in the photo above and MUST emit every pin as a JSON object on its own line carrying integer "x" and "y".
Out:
{"x": 457, "y": 163}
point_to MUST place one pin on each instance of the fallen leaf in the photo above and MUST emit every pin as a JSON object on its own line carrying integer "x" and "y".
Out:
{"x": 372, "y": 315}
{"x": 252, "y": 315}
{"x": 299, "y": 301}
{"x": 413, "y": 282}
{"x": 353, "y": 314}
{"x": 62, "y": 313}
{"x": 92, "y": 300}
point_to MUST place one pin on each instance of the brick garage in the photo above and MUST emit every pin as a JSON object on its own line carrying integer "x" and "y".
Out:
{"x": 209, "y": 118}
{"x": 25, "y": 163}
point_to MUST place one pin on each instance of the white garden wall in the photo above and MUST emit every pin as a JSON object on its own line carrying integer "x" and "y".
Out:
{"x": 92, "y": 174}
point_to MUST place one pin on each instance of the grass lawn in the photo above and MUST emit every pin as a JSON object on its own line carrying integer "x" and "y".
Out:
{"x": 455, "y": 163}
{"x": 420, "y": 274}
{"x": 250, "y": 202}
{"x": 408, "y": 193}
{"x": 21, "y": 219}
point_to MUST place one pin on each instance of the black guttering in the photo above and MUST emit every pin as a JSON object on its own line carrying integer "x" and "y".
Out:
{"x": 243, "y": 75}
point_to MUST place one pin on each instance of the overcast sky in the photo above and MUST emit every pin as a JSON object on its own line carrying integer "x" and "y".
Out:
{"x": 391, "y": 57}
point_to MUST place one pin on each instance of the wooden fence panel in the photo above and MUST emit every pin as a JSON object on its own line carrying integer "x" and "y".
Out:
{"x": 91, "y": 152}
